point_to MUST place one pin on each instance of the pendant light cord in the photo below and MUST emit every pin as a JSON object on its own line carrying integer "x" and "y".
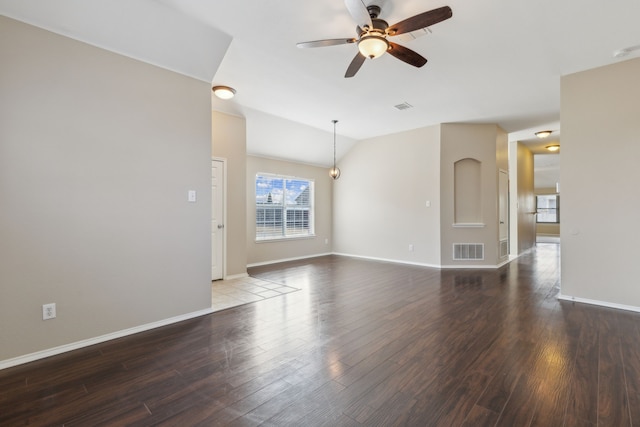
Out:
{"x": 334, "y": 172}
{"x": 334, "y": 143}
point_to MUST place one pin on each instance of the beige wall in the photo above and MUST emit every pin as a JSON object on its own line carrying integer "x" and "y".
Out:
{"x": 526, "y": 199}
{"x": 600, "y": 198}
{"x": 502, "y": 149}
{"x": 548, "y": 229}
{"x": 380, "y": 199}
{"x": 263, "y": 252}
{"x": 487, "y": 144}
{"x": 229, "y": 142}
{"x": 97, "y": 153}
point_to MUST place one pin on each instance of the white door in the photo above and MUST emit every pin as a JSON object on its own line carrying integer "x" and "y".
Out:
{"x": 503, "y": 212}
{"x": 503, "y": 203}
{"x": 217, "y": 219}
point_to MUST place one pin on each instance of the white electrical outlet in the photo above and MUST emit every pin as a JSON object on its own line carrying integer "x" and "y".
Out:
{"x": 191, "y": 196}
{"x": 410, "y": 248}
{"x": 49, "y": 311}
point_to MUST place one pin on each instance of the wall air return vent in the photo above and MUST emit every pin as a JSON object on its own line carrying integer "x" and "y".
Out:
{"x": 468, "y": 251}
{"x": 504, "y": 248}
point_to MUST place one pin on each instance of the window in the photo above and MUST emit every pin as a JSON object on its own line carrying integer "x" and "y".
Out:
{"x": 548, "y": 208}
{"x": 284, "y": 207}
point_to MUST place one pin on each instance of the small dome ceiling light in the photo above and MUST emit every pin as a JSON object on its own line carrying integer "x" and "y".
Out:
{"x": 223, "y": 92}
{"x": 621, "y": 53}
{"x": 553, "y": 147}
{"x": 544, "y": 133}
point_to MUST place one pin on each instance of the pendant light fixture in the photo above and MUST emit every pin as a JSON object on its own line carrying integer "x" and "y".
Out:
{"x": 334, "y": 172}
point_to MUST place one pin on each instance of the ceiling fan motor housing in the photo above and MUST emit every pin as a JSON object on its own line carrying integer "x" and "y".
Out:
{"x": 378, "y": 24}
{"x": 379, "y": 29}
{"x": 374, "y": 11}
{"x": 372, "y": 42}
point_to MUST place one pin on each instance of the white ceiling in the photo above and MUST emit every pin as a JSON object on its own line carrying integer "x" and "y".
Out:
{"x": 546, "y": 170}
{"x": 494, "y": 61}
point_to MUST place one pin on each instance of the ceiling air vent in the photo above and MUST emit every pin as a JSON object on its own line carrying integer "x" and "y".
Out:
{"x": 468, "y": 251}
{"x": 403, "y": 106}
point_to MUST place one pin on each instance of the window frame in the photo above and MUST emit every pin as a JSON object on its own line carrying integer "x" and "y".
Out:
{"x": 290, "y": 218}
{"x": 556, "y": 209}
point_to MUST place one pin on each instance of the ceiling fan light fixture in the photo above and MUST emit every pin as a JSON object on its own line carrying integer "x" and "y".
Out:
{"x": 223, "y": 92}
{"x": 553, "y": 147}
{"x": 373, "y": 46}
{"x": 372, "y": 33}
{"x": 543, "y": 133}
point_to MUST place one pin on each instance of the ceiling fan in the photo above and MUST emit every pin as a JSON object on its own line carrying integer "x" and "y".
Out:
{"x": 373, "y": 32}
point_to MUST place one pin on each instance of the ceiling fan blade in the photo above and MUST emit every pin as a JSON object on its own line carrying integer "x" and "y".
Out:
{"x": 355, "y": 65}
{"x": 359, "y": 12}
{"x": 420, "y": 21}
{"x": 406, "y": 55}
{"x": 327, "y": 42}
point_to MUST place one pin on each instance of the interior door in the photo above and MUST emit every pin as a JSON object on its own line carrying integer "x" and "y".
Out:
{"x": 526, "y": 217}
{"x": 503, "y": 212}
{"x": 217, "y": 219}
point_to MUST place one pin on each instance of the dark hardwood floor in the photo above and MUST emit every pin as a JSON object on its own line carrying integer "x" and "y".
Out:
{"x": 363, "y": 343}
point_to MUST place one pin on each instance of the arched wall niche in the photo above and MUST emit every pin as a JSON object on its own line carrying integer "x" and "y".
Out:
{"x": 468, "y": 191}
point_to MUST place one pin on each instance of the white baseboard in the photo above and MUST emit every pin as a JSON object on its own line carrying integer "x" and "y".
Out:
{"x": 423, "y": 264}
{"x": 8, "y": 363}
{"x": 472, "y": 267}
{"x": 600, "y": 303}
{"x": 257, "y": 264}
{"x": 395, "y": 261}
{"x": 236, "y": 276}
{"x": 506, "y": 261}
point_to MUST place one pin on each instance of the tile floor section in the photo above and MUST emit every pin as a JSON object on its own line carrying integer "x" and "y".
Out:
{"x": 235, "y": 292}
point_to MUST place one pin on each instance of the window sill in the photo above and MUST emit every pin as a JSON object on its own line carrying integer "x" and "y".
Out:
{"x": 285, "y": 239}
{"x": 469, "y": 225}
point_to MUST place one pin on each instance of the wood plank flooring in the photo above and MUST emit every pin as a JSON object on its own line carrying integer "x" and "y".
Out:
{"x": 363, "y": 343}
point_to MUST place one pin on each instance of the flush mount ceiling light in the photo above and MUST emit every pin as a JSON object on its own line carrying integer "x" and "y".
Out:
{"x": 223, "y": 92}
{"x": 553, "y": 147}
{"x": 544, "y": 133}
{"x": 334, "y": 172}
{"x": 626, "y": 51}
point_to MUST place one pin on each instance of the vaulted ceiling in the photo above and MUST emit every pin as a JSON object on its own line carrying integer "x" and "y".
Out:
{"x": 494, "y": 61}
